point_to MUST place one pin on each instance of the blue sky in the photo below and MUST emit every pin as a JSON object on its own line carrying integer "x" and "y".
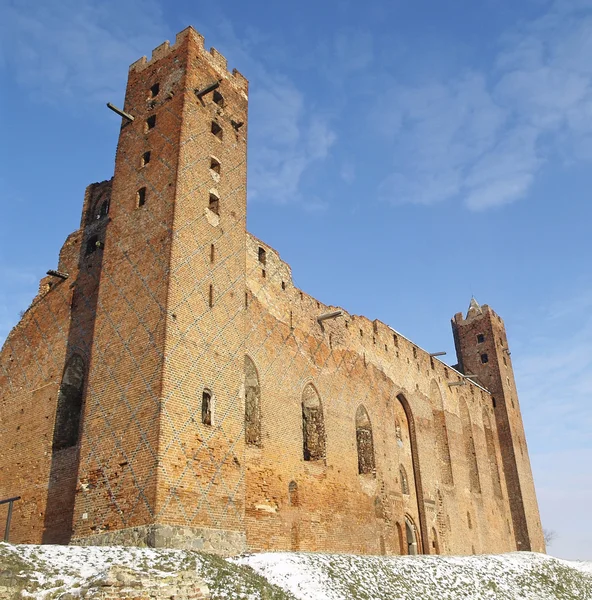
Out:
{"x": 402, "y": 157}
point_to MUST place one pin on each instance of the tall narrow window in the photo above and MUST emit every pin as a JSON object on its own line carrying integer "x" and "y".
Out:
{"x": 216, "y": 130}
{"x": 404, "y": 481}
{"x": 141, "y": 197}
{"x": 154, "y": 90}
{"x": 104, "y": 209}
{"x": 365, "y": 442}
{"x": 313, "y": 424}
{"x": 215, "y": 165}
{"x": 480, "y": 338}
{"x": 212, "y": 253}
{"x": 211, "y": 296}
{"x": 470, "y": 452}
{"x": 69, "y": 404}
{"x": 252, "y": 404}
{"x": 492, "y": 455}
{"x": 441, "y": 433}
{"x": 206, "y": 407}
{"x": 293, "y": 494}
{"x": 150, "y": 123}
{"x": 145, "y": 158}
{"x": 214, "y": 204}
{"x": 261, "y": 255}
{"x": 484, "y": 358}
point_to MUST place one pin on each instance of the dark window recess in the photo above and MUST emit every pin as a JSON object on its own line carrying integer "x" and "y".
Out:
{"x": 293, "y": 494}
{"x": 313, "y": 425}
{"x": 414, "y": 352}
{"x": 217, "y": 130}
{"x": 263, "y": 273}
{"x": 212, "y": 253}
{"x": 218, "y": 98}
{"x": 214, "y": 204}
{"x": 252, "y": 404}
{"x": 206, "y": 407}
{"x": 283, "y": 285}
{"x": 154, "y": 90}
{"x": 104, "y": 209}
{"x": 215, "y": 165}
{"x": 69, "y": 405}
{"x": 493, "y": 402}
{"x": 211, "y": 296}
{"x": 480, "y": 338}
{"x": 484, "y": 358}
{"x": 395, "y": 340}
{"x": 141, "y": 196}
{"x": 262, "y": 256}
{"x": 364, "y": 442}
{"x": 92, "y": 244}
{"x": 145, "y": 158}
{"x": 505, "y": 361}
{"x": 150, "y": 122}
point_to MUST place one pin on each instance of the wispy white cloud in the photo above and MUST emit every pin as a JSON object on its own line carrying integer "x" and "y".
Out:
{"x": 76, "y": 50}
{"x": 287, "y": 135}
{"x": 484, "y": 138}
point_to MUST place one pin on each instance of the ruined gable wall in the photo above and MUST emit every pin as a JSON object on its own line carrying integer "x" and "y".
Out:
{"x": 351, "y": 361}
{"x": 57, "y": 325}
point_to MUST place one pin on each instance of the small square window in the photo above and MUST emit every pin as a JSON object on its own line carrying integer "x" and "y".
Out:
{"x": 154, "y": 90}
{"x": 480, "y": 338}
{"x": 150, "y": 122}
{"x": 484, "y": 358}
{"x": 217, "y": 130}
{"x": 145, "y": 158}
{"x": 218, "y": 98}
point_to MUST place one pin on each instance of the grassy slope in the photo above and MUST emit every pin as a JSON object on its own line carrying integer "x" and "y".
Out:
{"x": 50, "y": 571}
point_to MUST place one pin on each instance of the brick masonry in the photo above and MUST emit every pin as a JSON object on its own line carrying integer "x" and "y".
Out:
{"x": 210, "y": 408}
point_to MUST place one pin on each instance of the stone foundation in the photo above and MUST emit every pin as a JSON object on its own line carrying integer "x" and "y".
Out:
{"x": 216, "y": 541}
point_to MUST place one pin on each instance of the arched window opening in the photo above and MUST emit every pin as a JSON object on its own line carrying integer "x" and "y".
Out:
{"x": 104, "y": 210}
{"x": 412, "y": 546}
{"x": 441, "y": 434}
{"x": 214, "y": 203}
{"x": 470, "y": 452}
{"x": 206, "y": 407}
{"x": 435, "y": 545}
{"x": 69, "y": 404}
{"x": 252, "y": 404}
{"x": 313, "y": 424}
{"x": 293, "y": 494}
{"x": 404, "y": 481}
{"x": 492, "y": 455}
{"x": 365, "y": 443}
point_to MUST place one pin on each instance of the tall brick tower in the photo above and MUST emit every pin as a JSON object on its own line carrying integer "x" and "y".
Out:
{"x": 482, "y": 350}
{"x": 161, "y": 457}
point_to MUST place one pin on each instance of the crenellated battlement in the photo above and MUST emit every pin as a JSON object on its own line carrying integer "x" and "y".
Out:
{"x": 215, "y": 58}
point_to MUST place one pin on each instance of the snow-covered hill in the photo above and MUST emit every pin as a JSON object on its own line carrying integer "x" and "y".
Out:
{"x": 46, "y": 572}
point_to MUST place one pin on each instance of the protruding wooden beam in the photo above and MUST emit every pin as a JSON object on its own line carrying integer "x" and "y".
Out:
{"x": 120, "y": 112}
{"x": 331, "y": 315}
{"x": 207, "y": 90}
{"x": 59, "y": 274}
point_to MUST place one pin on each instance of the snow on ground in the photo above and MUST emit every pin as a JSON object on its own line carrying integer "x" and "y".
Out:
{"x": 51, "y": 571}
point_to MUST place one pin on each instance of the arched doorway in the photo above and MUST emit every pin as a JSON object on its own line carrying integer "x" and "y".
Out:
{"x": 411, "y": 534}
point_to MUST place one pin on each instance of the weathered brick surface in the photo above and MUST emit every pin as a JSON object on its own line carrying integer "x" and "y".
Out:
{"x": 338, "y": 435}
